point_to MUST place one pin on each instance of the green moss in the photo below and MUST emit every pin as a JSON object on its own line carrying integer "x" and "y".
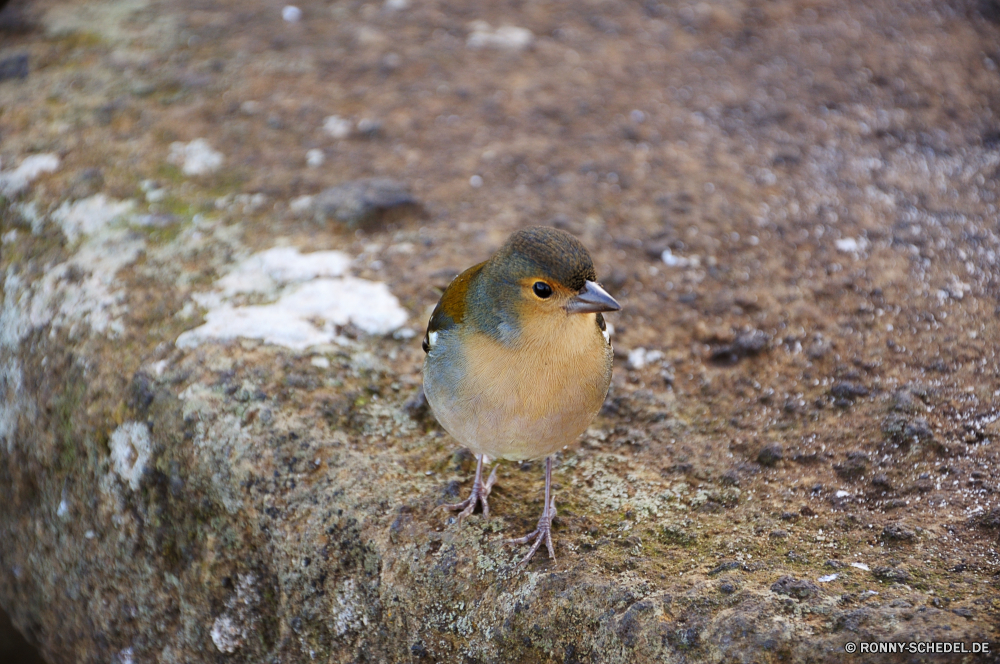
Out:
{"x": 676, "y": 535}
{"x": 228, "y": 180}
{"x": 45, "y": 247}
{"x": 65, "y": 407}
{"x": 170, "y": 173}
{"x": 166, "y": 233}
{"x": 80, "y": 40}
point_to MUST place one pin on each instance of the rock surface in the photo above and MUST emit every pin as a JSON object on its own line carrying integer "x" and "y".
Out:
{"x": 797, "y": 204}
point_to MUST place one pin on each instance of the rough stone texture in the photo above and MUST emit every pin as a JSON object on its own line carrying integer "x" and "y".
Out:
{"x": 795, "y": 201}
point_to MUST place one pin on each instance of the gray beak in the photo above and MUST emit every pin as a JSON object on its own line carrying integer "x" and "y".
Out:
{"x": 592, "y": 299}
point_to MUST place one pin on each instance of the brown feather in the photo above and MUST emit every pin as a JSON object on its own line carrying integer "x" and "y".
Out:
{"x": 450, "y": 309}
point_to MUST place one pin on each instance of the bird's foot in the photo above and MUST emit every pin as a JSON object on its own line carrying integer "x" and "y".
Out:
{"x": 543, "y": 533}
{"x": 480, "y": 492}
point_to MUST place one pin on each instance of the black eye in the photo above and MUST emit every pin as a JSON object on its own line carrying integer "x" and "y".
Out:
{"x": 542, "y": 289}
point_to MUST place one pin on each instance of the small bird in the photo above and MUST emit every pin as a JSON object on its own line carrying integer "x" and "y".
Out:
{"x": 519, "y": 359}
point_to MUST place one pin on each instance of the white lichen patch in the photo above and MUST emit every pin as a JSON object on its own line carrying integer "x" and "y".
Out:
{"x": 384, "y": 420}
{"x": 507, "y": 603}
{"x": 223, "y": 442}
{"x": 88, "y": 216}
{"x": 231, "y": 628}
{"x": 79, "y": 294}
{"x": 113, "y": 21}
{"x": 15, "y": 324}
{"x": 314, "y": 299}
{"x": 609, "y": 492}
{"x": 83, "y": 290}
{"x": 226, "y": 634}
{"x": 247, "y": 594}
{"x": 348, "y": 611}
{"x": 29, "y": 212}
{"x": 12, "y": 399}
{"x": 196, "y": 157}
{"x": 17, "y": 180}
{"x": 224, "y": 433}
{"x": 269, "y": 270}
{"x": 130, "y": 450}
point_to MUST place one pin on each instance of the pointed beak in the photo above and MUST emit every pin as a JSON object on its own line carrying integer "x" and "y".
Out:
{"x": 592, "y": 299}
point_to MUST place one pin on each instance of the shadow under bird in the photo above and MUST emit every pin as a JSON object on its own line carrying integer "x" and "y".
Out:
{"x": 519, "y": 359}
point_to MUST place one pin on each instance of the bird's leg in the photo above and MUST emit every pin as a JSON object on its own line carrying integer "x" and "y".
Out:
{"x": 544, "y": 530}
{"x": 479, "y": 494}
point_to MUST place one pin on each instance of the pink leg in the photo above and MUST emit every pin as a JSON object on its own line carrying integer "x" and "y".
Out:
{"x": 544, "y": 530}
{"x": 480, "y": 492}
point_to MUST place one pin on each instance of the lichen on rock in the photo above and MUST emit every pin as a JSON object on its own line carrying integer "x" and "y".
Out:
{"x": 130, "y": 451}
{"x": 210, "y": 447}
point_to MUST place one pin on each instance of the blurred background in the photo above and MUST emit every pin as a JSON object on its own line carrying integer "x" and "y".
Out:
{"x": 796, "y": 200}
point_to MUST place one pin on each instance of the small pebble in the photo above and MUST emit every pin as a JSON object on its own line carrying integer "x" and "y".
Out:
{"x": 359, "y": 202}
{"x": 337, "y": 126}
{"x": 672, "y": 260}
{"x": 15, "y": 66}
{"x": 291, "y": 13}
{"x": 369, "y": 128}
{"x": 314, "y": 158}
{"x": 392, "y": 61}
{"x": 640, "y": 357}
{"x": 506, "y": 38}
{"x": 770, "y": 455}
{"x": 301, "y": 204}
{"x": 850, "y": 245}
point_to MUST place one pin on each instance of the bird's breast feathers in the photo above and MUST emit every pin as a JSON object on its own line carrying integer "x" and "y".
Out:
{"x": 522, "y": 400}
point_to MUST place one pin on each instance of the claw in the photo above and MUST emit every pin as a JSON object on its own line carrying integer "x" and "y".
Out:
{"x": 480, "y": 492}
{"x": 543, "y": 532}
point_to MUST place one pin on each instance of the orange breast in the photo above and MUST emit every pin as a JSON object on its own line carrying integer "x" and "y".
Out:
{"x": 529, "y": 401}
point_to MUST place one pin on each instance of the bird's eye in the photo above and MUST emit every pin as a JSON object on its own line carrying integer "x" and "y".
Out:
{"x": 542, "y": 289}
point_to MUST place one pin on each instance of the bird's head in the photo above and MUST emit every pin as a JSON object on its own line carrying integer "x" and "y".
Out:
{"x": 545, "y": 272}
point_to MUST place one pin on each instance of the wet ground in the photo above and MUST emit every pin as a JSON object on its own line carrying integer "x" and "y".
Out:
{"x": 796, "y": 203}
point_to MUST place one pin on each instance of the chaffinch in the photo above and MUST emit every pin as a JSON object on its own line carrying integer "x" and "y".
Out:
{"x": 519, "y": 359}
